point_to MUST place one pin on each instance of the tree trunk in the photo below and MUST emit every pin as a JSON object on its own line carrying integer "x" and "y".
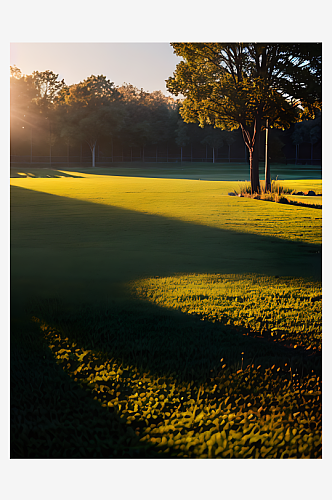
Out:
{"x": 181, "y": 154}
{"x": 213, "y": 155}
{"x": 93, "y": 153}
{"x": 229, "y": 153}
{"x": 50, "y": 143}
{"x": 156, "y": 154}
{"x": 143, "y": 153}
{"x": 252, "y": 144}
{"x": 267, "y": 160}
{"x": 255, "y": 157}
{"x": 254, "y": 170}
{"x": 31, "y": 146}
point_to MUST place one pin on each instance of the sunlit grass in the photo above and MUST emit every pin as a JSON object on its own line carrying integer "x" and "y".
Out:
{"x": 286, "y": 309}
{"x": 199, "y": 202}
{"x": 248, "y": 413}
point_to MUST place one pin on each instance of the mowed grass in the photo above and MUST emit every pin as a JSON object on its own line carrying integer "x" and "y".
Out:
{"x": 110, "y": 280}
{"x": 281, "y": 309}
{"x": 199, "y": 202}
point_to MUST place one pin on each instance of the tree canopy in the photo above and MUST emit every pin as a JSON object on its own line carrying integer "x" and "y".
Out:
{"x": 243, "y": 84}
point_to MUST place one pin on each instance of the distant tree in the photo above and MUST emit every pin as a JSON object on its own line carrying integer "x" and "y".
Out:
{"x": 187, "y": 133}
{"x": 244, "y": 84}
{"x": 90, "y": 111}
{"x": 182, "y": 136}
{"x": 308, "y": 131}
{"x": 23, "y": 110}
{"x": 23, "y": 93}
{"x": 137, "y": 128}
{"x": 213, "y": 137}
{"x": 49, "y": 94}
{"x": 276, "y": 145}
{"x": 49, "y": 88}
{"x": 15, "y": 72}
{"x": 149, "y": 117}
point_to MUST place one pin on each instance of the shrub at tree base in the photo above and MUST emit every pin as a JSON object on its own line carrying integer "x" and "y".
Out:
{"x": 278, "y": 194}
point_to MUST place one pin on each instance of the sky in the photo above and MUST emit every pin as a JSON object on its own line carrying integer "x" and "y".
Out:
{"x": 144, "y": 65}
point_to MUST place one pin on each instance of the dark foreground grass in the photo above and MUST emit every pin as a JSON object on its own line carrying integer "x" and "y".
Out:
{"x": 129, "y": 380}
{"x": 98, "y": 371}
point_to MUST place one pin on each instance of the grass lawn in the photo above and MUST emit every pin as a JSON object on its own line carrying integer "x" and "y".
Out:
{"x": 153, "y": 315}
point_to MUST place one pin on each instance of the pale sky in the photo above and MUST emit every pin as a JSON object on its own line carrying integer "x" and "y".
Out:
{"x": 144, "y": 65}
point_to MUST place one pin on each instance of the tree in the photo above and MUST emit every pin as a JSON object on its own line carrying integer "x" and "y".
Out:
{"x": 49, "y": 94}
{"x": 214, "y": 139}
{"x": 23, "y": 111}
{"x": 182, "y": 137}
{"x": 91, "y": 110}
{"x": 149, "y": 117}
{"x": 229, "y": 139}
{"x": 244, "y": 84}
{"x": 187, "y": 133}
{"x": 48, "y": 87}
{"x": 137, "y": 127}
{"x": 307, "y": 131}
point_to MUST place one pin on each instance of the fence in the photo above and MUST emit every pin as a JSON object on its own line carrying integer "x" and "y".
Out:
{"x": 147, "y": 159}
{"x": 117, "y": 159}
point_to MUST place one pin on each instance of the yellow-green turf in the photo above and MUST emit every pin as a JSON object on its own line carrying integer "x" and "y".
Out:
{"x": 285, "y": 310}
{"x": 82, "y": 235}
{"x": 200, "y": 202}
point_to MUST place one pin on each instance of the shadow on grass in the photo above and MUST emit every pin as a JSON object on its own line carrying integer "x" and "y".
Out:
{"x": 36, "y": 172}
{"x": 51, "y": 416}
{"x": 72, "y": 259}
{"x": 165, "y": 342}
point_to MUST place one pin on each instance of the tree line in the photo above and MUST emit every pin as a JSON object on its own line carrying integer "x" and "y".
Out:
{"x": 47, "y": 116}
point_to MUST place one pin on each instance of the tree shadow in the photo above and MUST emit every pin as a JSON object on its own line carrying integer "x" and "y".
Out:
{"x": 164, "y": 341}
{"x": 41, "y": 172}
{"x": 52, "y": 416}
